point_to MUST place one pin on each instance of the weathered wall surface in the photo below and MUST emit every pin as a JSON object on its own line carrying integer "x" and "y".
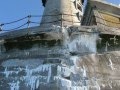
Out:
{"x": 69, "y": 64}
{"x": 102, "y": 14}
{"x": 72, "y": 63}
{"x": 104, "y": 68}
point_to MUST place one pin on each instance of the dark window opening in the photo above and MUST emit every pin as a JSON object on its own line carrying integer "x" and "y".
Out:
{"x": 44, "y": 2}
{"x": 79, "y": 7}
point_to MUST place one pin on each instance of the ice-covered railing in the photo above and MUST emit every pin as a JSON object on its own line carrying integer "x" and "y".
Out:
{"x": 28, "y": 21}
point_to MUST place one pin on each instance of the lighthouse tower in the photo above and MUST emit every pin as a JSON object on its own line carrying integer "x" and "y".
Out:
{"x": 62, "y": 13}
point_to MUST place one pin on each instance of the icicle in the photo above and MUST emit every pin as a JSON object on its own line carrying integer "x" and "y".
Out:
{"x": 29, "y": 72}
{"x": 14, "y": 86}
{"x": 49, "y": 75}
{"x": 110, "y": 85}
{"x": 74, "y": 59}
{"x": 97, "y": 85}
{"x": 111, "y": 64}
{"x": 106, "y": 47}
{"x": 7, "y": 73}
{"x": 84, "y": 71}
{"x": 114, "y": 39}
{"x": 63, "y": 81}
{"x": 37, "y": 83}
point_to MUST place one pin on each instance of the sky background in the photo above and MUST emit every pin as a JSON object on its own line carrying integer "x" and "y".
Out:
{"x": 11, "y": 10}
{"x": 15, "y": 9}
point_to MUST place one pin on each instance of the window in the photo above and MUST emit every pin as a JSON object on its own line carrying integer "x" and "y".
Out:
{"x": 79, "y": 7}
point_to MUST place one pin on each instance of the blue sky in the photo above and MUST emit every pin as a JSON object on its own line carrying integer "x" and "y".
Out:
{"x": 114, "y": 1}
{"x": 12, "y": 9}
{"x": 15, "y": 9}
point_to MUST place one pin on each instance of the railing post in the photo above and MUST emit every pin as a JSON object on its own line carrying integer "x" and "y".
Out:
{"x": 1, "y": 27}
{"x": 28, "y": 22}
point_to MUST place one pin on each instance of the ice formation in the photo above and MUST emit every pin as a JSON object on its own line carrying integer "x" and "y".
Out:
{"x": 81, "y": 42}
{"x": 68, "y": 76}
{"x": 14, "y": 85}
{"x": 31, "y": 79}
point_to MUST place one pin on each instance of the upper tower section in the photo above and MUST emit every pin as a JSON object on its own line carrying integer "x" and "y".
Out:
{"x": 62, "y": 12}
